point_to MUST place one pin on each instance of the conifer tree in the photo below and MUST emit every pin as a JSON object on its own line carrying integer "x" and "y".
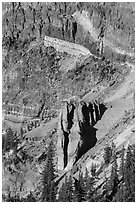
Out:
{"x": 80, "y": 190}
{"x": 105, "y": 187}
{"x": 66, "y": 193}
{"x": 113, "y": 181}
{"x": 129, "y": 175}
{"x": 21, "y": 132}
{"x": 117, "y": 197}
{"x": 10, "y": 140}
{"x": 121, "y": 174}
{"x": 114, "y": 172}
{"x": 107, "y": 154}
{"x": 90, "y": 184}
{"x": 70, "y": 189}
{"x": 62, "y": 197}
{"x": 86, "y": 180}
{"x": 102, "y": 193}
{"x": 48, "y": 176}
{"x": 122, "y": 161}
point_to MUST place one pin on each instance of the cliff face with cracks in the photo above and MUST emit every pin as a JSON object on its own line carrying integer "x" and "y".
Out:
{"x": 76, "y": 131}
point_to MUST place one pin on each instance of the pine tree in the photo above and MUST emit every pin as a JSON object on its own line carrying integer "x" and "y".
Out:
{"x": 102, "y": 194}
{"x": 21, "y": 132}
{"x": 90, "y": 184}
{"x": 121, "y": 168}
{"x": 66, "y": 193}
{"x": 62, "y": 197}
{"x": 114, "y": 172}
{"x": 117, "y": 196}
{"x": 93, "y": 169}
{"x": 129, "y": 175}
{"x": 70, "y": 189}
{"x": 121, "y": 174}
{"x": 10, "y": 140}
{"x": 107, "y": 154}
{"x": 113, "y": 181}
{"x": 80, "y": 190}
{"x": 87, "y": 184}
{"x": 105, "y": 189}
{"x": 48, "y": 176}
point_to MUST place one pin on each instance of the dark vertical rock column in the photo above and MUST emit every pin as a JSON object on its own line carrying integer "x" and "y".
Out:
{"x": 74, "y": 30}
{"x": 65, "y": 124}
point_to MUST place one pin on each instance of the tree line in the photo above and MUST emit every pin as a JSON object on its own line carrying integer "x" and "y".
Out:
{"x": 118, "y": 186}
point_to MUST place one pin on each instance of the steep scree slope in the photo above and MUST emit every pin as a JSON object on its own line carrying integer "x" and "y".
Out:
{"x": 116, "y": 124}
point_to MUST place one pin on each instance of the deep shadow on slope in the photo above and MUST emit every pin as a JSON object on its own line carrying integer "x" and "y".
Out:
{"x": 89, "y": 141}
{"x": 88, "y": 137}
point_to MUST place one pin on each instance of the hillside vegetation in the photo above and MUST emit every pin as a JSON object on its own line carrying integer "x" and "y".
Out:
{"x": 40, "y": 76}
{"x": 24, "y": 56}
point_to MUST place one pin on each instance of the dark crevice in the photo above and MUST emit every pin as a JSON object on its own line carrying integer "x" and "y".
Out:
{"x": 74, "y": 30}
{"x": 103, "y": 108}
{"x": 88, "y": 141}
{"x": 85, "y": 112}
{"x": 65, "y": 148}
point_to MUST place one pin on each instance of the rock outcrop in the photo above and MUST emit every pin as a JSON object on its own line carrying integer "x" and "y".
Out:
{"x": 65, "y": 46}
{"x": 76, "y": 131}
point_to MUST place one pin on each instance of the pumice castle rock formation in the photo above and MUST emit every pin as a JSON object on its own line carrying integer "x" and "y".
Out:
{"x": 68, "y": 101}
{"x": 76, "y": 131}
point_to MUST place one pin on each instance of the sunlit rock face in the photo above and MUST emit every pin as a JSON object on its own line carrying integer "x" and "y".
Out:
{"x": 76, "y": 131}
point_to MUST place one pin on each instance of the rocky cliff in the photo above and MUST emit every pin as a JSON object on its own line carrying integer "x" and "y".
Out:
{"x": 64, "y": 46}
{"x": 76, "y": 131}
